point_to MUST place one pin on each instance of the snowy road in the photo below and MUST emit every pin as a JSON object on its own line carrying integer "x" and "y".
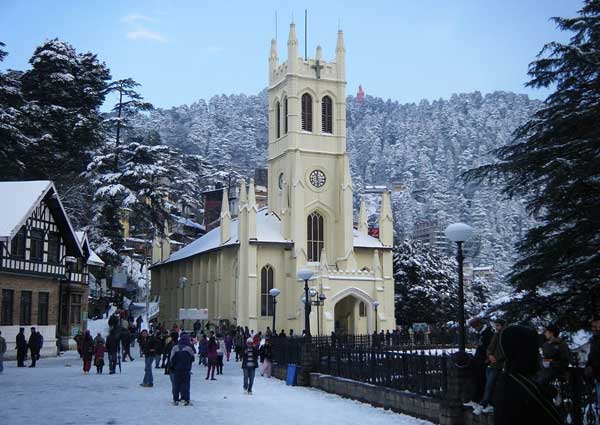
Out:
{"x": 55, "y": 393}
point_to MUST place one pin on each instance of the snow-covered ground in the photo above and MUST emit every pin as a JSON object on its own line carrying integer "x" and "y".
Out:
{"x": 57, "y": 392}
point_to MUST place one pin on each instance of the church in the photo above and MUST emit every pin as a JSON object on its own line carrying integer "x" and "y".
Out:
{"x": 308, "y": 223}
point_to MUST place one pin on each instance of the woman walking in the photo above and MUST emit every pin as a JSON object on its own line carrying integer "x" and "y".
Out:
{"x": 228, "y": 346}
{"x": 266, "y": 355}
{"x": 212, "y": 358}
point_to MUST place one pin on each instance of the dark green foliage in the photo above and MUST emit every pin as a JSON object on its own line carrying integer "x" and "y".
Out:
{"x": 554, "y": 163}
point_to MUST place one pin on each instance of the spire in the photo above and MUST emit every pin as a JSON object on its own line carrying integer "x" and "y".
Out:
{"x": 386, "y": 229}
{"x": 225, "y": 220}
{"x": 362, "y": 218}
{"x": 376, "y": 264}
{"x": 252, "y": 209}
{"x": 319, "y": 54}
{"x": 292, "y": 48}
{"x": 340, "y": 55}
{"x": 252, "y": 195}
{"x": 273, "y": 56}
{"x": 243, "y": 195}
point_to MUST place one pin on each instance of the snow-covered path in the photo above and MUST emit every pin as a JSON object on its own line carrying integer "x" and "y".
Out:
{"x": 54, "y": 393}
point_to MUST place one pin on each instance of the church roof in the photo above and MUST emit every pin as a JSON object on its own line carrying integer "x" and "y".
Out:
{"x": 268, "y": 230}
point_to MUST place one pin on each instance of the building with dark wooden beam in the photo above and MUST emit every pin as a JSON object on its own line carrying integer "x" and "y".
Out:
{"x": 43, "y": 267}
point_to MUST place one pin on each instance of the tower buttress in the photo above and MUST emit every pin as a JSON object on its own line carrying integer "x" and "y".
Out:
{"x": 292, "y": 44}
{"x": 363, "y": 226}
{"x": 386, "y": 228}
{"x": 225, "y": 219}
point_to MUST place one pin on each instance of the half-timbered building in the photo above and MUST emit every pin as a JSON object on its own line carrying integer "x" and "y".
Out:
{"x": 43, "y": 267}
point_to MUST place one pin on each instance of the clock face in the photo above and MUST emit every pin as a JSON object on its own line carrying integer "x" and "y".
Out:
{"x": 281, "y": 181}
{"x": 317, "y": 178}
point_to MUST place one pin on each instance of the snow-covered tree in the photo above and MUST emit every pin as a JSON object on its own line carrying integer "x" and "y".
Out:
{"x": 554, "y": 164}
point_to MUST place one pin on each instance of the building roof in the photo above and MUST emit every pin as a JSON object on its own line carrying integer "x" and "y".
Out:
{"x": 20, "y": 198}
{"x": 93, "y": 259}
{"x": 268, "y": 231}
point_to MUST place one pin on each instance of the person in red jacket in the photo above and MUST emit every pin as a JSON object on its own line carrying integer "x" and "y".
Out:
{"x": 212, "y": 358}
{"x": 99, "y": 351}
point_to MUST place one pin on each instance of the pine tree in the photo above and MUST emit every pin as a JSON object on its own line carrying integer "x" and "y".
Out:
{"x": 13, "y": 148}
{"x": 554, "y": 163}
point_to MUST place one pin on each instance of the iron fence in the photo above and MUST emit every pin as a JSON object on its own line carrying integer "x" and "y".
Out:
{"x": 575, "y": 397}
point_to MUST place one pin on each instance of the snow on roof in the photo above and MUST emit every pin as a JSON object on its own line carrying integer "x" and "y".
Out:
{"x": 268, "y": 230}
{"x": 360, "y": 240}
{"x": 93, "y": 259}
{"x": 19, "y": 199}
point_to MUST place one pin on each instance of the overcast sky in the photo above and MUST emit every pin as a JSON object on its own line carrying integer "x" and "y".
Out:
{"x": 181, "y": 51}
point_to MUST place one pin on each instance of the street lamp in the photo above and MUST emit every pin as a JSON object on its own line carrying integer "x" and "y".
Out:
{"x": 375, "y": 306}
{"x": 459, "y": 233}
{"x": 274, "y": 293}
{"x": 318, "y": 302}
{"x": 305, "y": 275}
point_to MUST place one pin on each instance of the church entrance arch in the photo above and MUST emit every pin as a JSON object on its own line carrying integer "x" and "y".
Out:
{"x": 346, "y": 312}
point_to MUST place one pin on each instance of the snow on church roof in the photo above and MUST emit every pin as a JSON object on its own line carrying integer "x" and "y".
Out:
{"x": 268, "y": 230}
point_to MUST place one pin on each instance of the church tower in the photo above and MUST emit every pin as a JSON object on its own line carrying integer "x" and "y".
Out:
{"x": 310, "y": 187}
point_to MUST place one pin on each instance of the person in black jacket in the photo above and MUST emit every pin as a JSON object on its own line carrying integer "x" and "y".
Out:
{"x": 556, "y": 357}
{"x": 148, "y": 348}
{"x": 125, "y": 336}
{"x": 592, "y": 367}
{"x": 181, "y": 361}
{"x": 249, "y": 364}
{"x": 480, "y": 359}
{"x": 21, "y": 343}
{"x": 518, "y": 399}
{"x": 112, "y": 347}
{"x": 34, "y": 346}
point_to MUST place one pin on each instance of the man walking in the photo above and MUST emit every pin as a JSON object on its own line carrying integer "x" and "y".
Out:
{"x": 148, "y": 350}
{"x": 34, "y": 346}
{"x": 112, "y": 347}
{"x": 249, "y": 365}
{"x": 21, "y": 347}
{"x": 126, "y": 344}
{"x": 2, "y": 351}
{"x": 182, "y": 359}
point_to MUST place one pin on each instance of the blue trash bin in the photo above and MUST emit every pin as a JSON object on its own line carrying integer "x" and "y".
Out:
{"x": 292, "y": 374}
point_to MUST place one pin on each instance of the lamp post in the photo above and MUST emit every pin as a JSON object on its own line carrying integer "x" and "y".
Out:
{"x": 274, "y": 293}
{"x": 459, "y": 233}
{"x": 305, "y": 275}
{"x": 319, "y": 300}
{"x": 375, "y": 306}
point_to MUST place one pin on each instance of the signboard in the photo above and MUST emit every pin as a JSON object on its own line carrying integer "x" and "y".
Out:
{"x": 193, "y": 314}
{"x": 119, "y": 277}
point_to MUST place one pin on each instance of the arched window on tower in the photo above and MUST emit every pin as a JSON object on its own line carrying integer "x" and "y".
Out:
{"x": 277, "y": 120}
{"x": 266, "y": 284}
{"x": 307, "y": 112}
{"x": 327, "y": 115}
{"x": 314, "y": 236}
{"x": 285, "y": 116}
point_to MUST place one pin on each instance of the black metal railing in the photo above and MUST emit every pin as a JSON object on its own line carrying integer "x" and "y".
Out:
{"x": 575, "y": 397}
{"x": 287, "y": 350}
{"x": 417, "y": 372}
{"x": 394, "y": 341}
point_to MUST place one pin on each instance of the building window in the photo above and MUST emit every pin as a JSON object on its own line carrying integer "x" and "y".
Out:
{"x": 266, "y": 284}
{"x": 285, "y": 115}
{"x": 278, "y": 120}
{"x": 75, "y": 309}
{"x": 8, "y": 296}
{"x": 17, "y": 245}
{"x": 327, "y": 115}
{"x": 362, "y": 309}
{"x": 307, "y": 112}
{"x": 43, "y": 303}
{"x": 54, "y": 248}
{"x": 314, "y": 236}
{"x": 25, "y": 318}
{"x": 36, "y": 249}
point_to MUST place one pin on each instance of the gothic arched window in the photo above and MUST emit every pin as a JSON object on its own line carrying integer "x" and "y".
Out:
{"x": 307, "y": 112}
{"x": 314, "y": 236}
{"x": 277, "y": 120}
{"x": 266, "y": 284}
{"x": 285, "y": 116}
{"x": 327, "y": 115}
